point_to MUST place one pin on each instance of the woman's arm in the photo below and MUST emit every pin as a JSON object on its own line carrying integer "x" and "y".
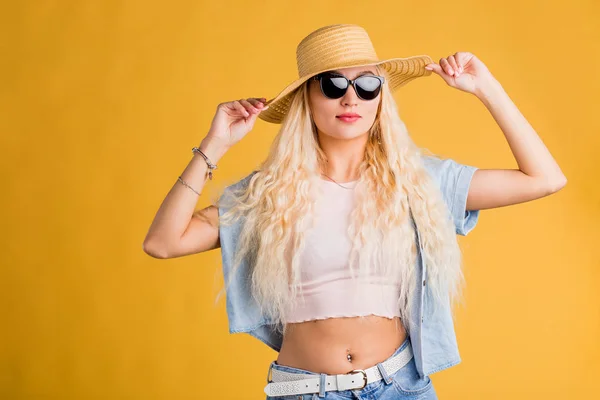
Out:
{"x": 174, "y": 232}
{"x": 538, "y": 175}
{"x": 176, "y": 229}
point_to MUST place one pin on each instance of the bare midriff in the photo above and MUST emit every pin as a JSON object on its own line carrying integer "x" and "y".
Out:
{"x": 340, "y": 345}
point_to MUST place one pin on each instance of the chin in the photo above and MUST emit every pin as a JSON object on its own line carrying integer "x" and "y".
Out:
{"x": 348, "y": 133}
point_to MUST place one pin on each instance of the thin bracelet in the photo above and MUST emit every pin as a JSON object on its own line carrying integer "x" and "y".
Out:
{"x": 185, "y": 184}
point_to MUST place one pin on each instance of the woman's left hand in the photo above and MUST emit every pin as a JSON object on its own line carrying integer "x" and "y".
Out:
{"x": 464, "y": 71}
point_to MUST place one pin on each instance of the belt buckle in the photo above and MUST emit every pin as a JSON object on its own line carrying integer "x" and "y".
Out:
{"x": 364, "y": 376}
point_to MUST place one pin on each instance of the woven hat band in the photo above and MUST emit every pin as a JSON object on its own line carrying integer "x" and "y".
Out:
{"x": 333, "y": 47}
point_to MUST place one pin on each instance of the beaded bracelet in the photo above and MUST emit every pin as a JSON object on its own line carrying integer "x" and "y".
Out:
{"x": 211, "y": 166}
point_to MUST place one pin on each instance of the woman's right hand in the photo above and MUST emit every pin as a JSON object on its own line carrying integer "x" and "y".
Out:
{"x": 234, "y": 119}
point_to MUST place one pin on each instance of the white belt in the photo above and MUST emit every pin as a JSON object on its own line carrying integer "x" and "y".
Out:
{"x": 285, "y": 383}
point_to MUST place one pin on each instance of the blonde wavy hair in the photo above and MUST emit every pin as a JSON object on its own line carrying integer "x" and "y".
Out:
{"x": 277, "y": 204}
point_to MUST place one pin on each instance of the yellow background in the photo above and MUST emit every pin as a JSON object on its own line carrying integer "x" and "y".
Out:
{"x": 101, "y": 103}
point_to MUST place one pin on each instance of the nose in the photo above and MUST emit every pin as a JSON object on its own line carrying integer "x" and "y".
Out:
{"x": 350, "y": 98}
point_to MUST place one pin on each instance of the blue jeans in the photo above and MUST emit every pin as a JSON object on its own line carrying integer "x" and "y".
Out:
{"x": 403, "y": 384}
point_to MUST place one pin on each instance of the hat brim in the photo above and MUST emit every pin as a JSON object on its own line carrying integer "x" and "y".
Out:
{"x": 400, "y": 72}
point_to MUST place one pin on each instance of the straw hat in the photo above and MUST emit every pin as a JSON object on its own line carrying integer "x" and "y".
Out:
{"x": 341, "y": 46}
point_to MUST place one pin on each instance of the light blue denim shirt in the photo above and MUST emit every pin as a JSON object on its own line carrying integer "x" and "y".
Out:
{"x": 433, "y": 341}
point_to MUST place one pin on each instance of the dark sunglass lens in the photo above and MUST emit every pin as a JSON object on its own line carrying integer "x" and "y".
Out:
{"x": 368, "y": 87}
{"x": 334, "y": 87}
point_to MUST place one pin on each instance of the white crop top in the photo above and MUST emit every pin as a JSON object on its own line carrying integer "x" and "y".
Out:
{"x": 326, "y": 283}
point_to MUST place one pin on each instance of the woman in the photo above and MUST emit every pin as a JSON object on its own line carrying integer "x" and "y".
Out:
{"x": 340, "y": 251}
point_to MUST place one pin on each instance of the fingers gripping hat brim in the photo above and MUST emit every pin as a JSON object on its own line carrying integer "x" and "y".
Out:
{"x": 400, "y": 71}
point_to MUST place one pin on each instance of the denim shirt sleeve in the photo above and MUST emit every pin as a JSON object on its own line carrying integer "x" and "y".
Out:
{"x": 454, "y": 180}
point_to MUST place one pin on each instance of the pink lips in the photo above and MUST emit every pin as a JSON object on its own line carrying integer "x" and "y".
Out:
{"x": 350, "y": 117}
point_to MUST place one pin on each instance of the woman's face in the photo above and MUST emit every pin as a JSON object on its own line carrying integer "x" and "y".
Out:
{"x": 326, "y": 111}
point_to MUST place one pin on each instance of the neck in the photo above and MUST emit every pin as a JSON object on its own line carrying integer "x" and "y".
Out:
{"x": 343, "y": 156}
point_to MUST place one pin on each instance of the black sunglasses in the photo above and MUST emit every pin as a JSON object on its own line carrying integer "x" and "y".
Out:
{"x": 334, "y": 86}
